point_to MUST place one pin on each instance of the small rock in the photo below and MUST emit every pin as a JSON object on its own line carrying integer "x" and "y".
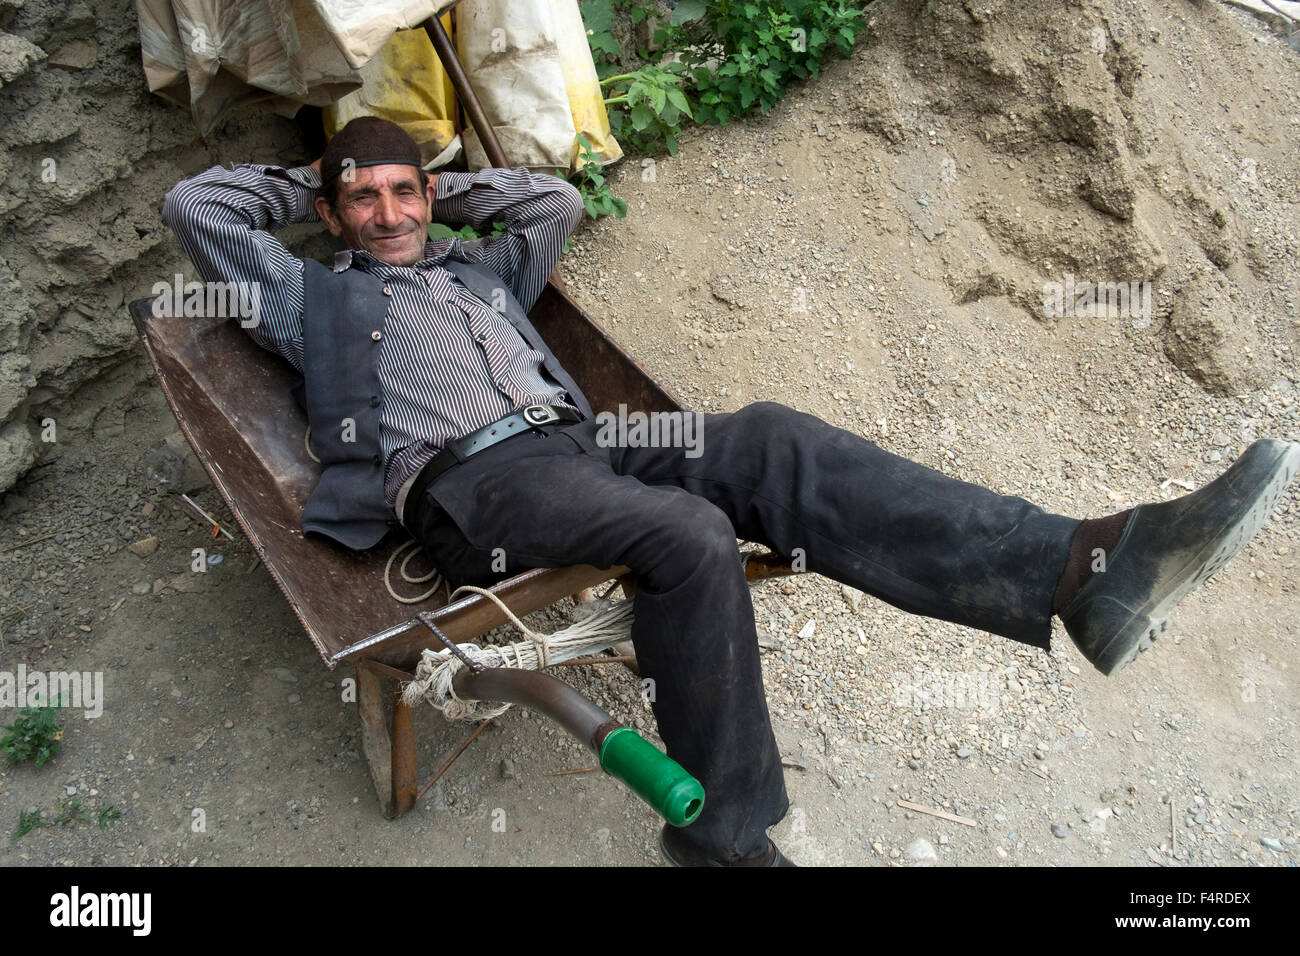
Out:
{"x": 17, "y": 56}
{"x": 164, "y": 467}
{"x": 1060, "y": 831}
{"x": 294, "y": 698}
{"x": 914, "y": 764}
{"x": 77, "y": 55}
{"x": 228, "y": 723}
{"x": 186, "y": 582}
{"x": 140, "y": 587}
{"x": 852, "y": 597}
{"x": 963, "y": 752}
{"x": 507, "y": 769}
{"x": 920, "y": 851}
{"x": 1273, "y": 844}
{"x": 144, "y": 547}
{"x": 795, "y": 761}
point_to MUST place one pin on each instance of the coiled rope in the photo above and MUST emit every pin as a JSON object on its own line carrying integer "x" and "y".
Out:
{"x": 414, "y": 547}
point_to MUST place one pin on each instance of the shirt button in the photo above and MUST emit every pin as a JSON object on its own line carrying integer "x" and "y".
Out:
{"x": 387, "y": 291}
{"x": 374, "y": 401}
{"x": 376, "y": 335}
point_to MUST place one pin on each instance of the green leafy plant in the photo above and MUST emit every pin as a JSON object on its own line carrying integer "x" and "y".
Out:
{"x": 71, "y": 812}
{"x": 598, "y": 18}
{"x": 438, "y": 230}
{"x": 719, "y": 59}
{"x": 597, "y": 198}
{"x": 743, "y": 55}
{"x": 28, "y": 821}
{"x": 35, "y": 733}
{"x": 108, "y": 816}
{"x": 654, "y": 106}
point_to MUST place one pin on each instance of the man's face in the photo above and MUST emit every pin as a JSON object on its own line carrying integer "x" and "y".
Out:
{"x": 385, "y": 210}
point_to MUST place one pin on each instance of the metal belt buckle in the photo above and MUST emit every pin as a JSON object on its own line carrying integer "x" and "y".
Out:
{"x": 540, "y": 415}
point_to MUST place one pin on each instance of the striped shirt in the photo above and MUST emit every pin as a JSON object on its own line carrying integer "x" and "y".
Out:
{"x": 449, "y": 363}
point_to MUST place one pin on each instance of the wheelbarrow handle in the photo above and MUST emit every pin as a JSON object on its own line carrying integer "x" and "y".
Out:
{"x": 652, "y": 775}
{"x": 624, "y": 754}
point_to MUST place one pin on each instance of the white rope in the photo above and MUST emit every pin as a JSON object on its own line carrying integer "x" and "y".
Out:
{"x": 434, "y": 576}
{"x": 605, "y": 623}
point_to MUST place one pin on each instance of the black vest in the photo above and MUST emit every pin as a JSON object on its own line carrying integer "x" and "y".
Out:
{"x": 343, "y": 325}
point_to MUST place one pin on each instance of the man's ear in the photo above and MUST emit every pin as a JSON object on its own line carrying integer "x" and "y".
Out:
{"x": 326, "y": 213}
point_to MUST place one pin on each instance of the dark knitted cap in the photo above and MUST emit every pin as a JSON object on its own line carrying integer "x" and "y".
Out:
{"x": 368, "y": 141}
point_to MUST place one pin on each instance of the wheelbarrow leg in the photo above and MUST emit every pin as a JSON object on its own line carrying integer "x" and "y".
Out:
{"x": 403, "y": 766}
{"x": 375, "y": 741}
{"x": 389, "y": 746}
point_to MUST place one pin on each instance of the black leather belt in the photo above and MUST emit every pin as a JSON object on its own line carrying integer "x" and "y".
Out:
{"x": 532, "y": 417}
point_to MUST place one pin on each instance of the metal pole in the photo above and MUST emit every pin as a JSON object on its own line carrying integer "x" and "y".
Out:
{"x": 442, "y": 45}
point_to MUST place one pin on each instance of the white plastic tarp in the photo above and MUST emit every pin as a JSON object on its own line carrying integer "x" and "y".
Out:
{"x": 531, "y": 66}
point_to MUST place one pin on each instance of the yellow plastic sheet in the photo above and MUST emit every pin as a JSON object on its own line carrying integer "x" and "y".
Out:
{"x": 406, "y": 84}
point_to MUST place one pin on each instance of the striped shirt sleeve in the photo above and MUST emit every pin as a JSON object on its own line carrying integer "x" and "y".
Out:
{"x": 539, "y": 213}
{"x": 223, "y": 219}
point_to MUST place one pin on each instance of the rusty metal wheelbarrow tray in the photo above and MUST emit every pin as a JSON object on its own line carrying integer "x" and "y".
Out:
{"x": 233, "y": 402}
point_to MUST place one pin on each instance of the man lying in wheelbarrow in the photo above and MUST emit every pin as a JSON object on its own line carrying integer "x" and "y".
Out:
{"x": 467, "y": 430}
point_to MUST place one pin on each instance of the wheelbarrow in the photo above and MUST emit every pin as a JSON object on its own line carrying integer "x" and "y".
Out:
{"x": 234, "y": 405}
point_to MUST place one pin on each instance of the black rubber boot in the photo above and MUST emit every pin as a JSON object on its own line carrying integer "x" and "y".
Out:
{"x": 676, "y": 851}
{"x": 1168, "y": 549}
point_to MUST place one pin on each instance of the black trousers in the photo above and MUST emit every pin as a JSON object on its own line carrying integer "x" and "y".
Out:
{"x": 818, "y": 494}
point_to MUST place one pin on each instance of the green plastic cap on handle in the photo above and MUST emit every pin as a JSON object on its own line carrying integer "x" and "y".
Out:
{"x": 652, "y": 775}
